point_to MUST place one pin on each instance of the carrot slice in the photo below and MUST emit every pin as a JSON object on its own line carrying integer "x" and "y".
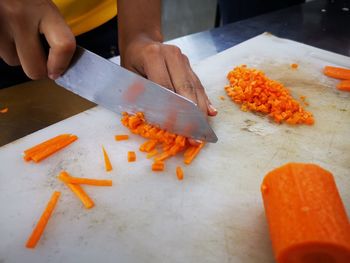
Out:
{"x": 51, "y": 149}
{"x": 336, "y": 72}
{"x": 77, "y": 190}
{"x": 344, "y": 85}
{"x": 39, "y": 147}
{"x": 193, "y": 154}
{"x": 4, "y": 110}
{"x": 179, "y": 173}
{"x": 108, "y": 165}
{"x": 121, "y": 137}
{"x": 44, "y": 219}
{"x": 307, "y": 219}
{"x": 131, "y": 156}
{"x": 294, "y": 66}
{"x": 158, "y": 166}
{"x": 80, "y": 180}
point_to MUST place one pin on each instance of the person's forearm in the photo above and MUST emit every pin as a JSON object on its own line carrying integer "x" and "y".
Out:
{"x": 137, "y": 18}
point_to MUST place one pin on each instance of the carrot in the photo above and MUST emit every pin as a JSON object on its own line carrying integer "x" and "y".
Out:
{"x": 254, "y": 91}
{"x": 77, "y": 190}
{"x": 344, "y": 85}
{"x": 152, "y": 153}
{"x": 79, "y": 180}
{"x": 4, "y": 110}
{"x": 108, "y": 165}
{"x": 131, "y": 156}
{"x": 306, "y": 217}
{"x": 158, "y": 166}
{"x": 222, "y": 98}
{"x": 294, "y": 66}
{"x": 51, "y": 149}
{"x": 44, "y": 219}
{"x": 179, "y": 173}
{"x": 192, "y": 155}
{"x": 39, "y": 147}
{"x": 336, "y": 72}
{"x": 121, "y": 137}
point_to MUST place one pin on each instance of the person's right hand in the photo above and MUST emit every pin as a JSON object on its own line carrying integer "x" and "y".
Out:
{"x": 21, "y": 23}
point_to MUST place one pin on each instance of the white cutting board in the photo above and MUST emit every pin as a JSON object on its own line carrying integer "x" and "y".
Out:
{"x": 216, "y": 213}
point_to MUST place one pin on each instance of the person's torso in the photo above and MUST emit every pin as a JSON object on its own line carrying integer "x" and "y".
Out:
{"x": 85, "y": 15}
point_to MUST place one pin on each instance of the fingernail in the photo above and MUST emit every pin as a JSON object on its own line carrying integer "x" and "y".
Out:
{"x": 211, "y": 107}
{"x": 198, "y": 141}
{"x": 53, "y": 76}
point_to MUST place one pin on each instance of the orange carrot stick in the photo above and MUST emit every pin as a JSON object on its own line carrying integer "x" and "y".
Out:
{"x": 77, "y": 190}
{"x": 336, "y": 72}
{"x": 158, "y": 166}
{"x": 121, "y": 137}
{"x": 179, "y": 173}
{"x": 51, "y": 149}
{"x": 344, "y": 85}
{"x": 306, "y": 217}
{"x": 131, "y": 156}
{"x": 108, "y": 165}
{"x": 44, "y": 219}
{"x": 4, "y": 110}
{"x": 151, "y": 153}
{"x": 29, "y": 152}
{"x": 193, "y": 155}
{"x": 80, "y": 180}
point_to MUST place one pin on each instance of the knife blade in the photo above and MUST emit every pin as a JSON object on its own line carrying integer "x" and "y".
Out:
{"x": 120, "y": 90}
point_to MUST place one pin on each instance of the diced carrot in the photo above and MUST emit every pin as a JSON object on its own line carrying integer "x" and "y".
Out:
{"x": 190, "y": 158}
{"x": 108, "y": 165}
{"x": 121, "y": 137}
{"x": 254, "y": 91}
{"x": 307, "y": 219}
{"x": 222, "y": 98}
{"x": 336, "y": 72}
{"x": 151, "y": 153}
{"x": 4, "y": 110}
{"x": 294, "y": 66}
{"x": 179, "y": 173}
{"x": 131, "y": 156}
{"x": 158, "y": 166}
{"x": 79, "y": 180}
{"x": 77, "y": 190}
{"x": 344, "y": 85}
{"x": 51, "y": 149}
{"x": 44, "y": 219}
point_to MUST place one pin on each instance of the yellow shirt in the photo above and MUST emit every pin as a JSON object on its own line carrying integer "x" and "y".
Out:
{"x": 84, "y": 15}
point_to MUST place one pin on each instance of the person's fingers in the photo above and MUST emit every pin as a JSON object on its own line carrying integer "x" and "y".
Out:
{"x": 155, "y": 68}
{"x": 183, "y": 78}
{"x": 30, "y": 52}
{"x": 211, "y": 111}
{"x": 61, "y": 41}
{"x": 8, "y": 52}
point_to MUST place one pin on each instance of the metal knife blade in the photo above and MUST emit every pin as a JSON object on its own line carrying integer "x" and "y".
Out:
{"x": 117, "y": 89}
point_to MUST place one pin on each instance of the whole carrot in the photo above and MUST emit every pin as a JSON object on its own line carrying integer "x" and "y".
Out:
{"x": 306, "y": 217}
{"x": 44, "y": 219}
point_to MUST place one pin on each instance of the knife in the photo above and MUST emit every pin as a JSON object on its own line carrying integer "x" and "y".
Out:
{"x": 120, "y": 90}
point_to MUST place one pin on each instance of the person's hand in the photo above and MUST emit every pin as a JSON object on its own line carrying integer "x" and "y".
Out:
{"x": 21, "y": 23}
{"x": 167, "y": 66}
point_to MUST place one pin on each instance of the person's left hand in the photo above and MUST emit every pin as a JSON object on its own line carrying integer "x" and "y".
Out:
{"x": 167, "y": 66}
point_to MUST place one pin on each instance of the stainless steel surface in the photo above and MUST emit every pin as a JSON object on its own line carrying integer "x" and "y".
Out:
{"x": 117, "y": 89}
{"x": 316, "y": 23}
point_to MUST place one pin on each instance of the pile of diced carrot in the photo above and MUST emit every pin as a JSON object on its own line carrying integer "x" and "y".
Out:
{"x": 161, "y": 144}
{"x": 254, "y": 91}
